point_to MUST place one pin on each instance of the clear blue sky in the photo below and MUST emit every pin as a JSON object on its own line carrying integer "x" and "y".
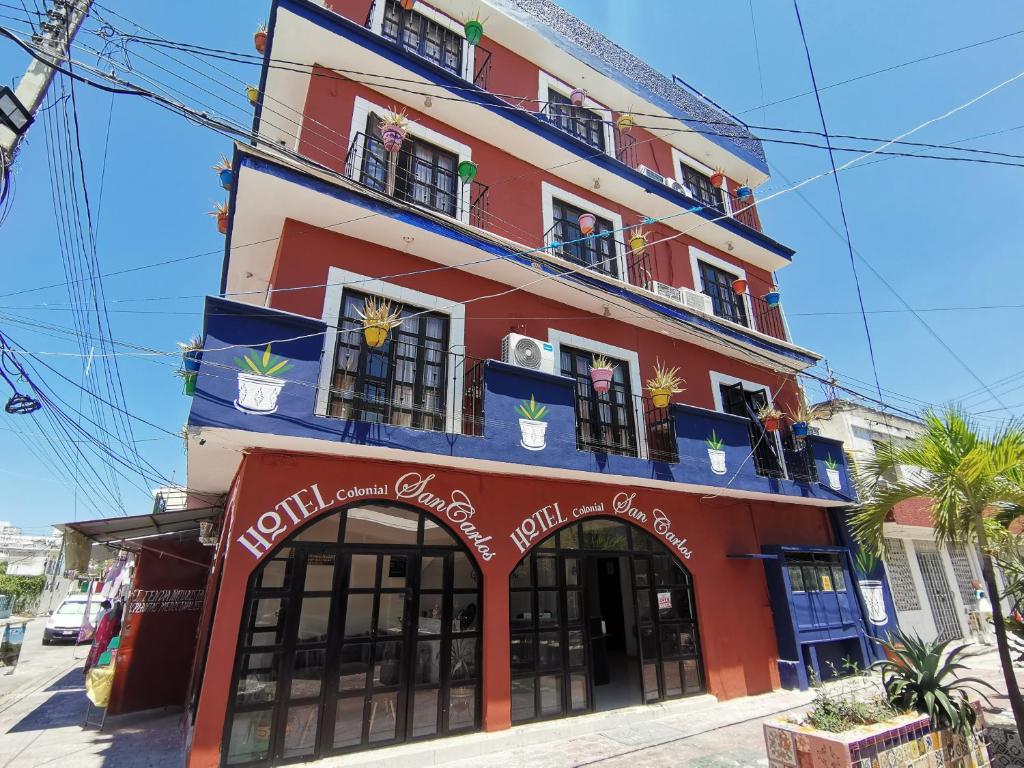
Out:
{"x": 943, "y": 234}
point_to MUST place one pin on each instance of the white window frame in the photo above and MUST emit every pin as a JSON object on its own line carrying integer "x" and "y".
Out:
{"x": 557, "y": 338}
{"x": 681, "y": 158}
{"x": 548, "y": 193}
{"x": 696, "y": 256}
{"x": 432, "y": 14}
{"x": 338, "y": 279}
{"x": 718, "y": 379}
{"x": 361, "y": 110}
{"x": 546, "y": 81}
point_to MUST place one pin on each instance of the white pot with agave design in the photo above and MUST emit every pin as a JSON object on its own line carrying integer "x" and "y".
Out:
{"x": 832, "y": 471}
{"x": 716, "y": 453}
{"x": 532, "y": 426}
{"x": 870, "y": 589}
{"x": 260, "y": 382}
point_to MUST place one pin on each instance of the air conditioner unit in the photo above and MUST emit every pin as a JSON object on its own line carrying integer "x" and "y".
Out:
{"x": 652, "y": 174}
{"x": 529, "y": 353}
{"x": 684, "y": 297}
{"x": 678, "y": 187}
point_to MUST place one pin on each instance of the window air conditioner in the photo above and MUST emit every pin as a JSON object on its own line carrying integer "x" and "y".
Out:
{"x": 684, "y": 297}
{"x": 529, "y": 353}
{"x": 652, "y": 174}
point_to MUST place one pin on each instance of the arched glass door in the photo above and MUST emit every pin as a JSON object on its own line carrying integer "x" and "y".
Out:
{"x": 602, "y": 615}
{"x": 360, "y": 631}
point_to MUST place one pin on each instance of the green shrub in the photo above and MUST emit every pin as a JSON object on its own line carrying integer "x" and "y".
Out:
{"x": 844, "y": 705}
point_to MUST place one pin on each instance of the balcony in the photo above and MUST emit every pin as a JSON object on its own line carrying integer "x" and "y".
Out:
{"x": 490, "y": 412}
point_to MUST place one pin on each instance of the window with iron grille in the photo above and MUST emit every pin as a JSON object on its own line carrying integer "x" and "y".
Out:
{"x": 596, "y": 253}
{"x": 964, "y": 573}
{"x": 704, "y": 192}
{"x": 426, "y": 38}
{"x": 402, "y": 382}
{"x": 583, "y": 123}
{"x": 604, "y": 421}
{"x": 901, "y": 582}
{"x": 717, "y": 283}
{"x": 423, "y": 173}
{"x": 765, "y": 446}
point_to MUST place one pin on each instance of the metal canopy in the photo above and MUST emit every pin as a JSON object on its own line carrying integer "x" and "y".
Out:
{"x": 126, "y": 529}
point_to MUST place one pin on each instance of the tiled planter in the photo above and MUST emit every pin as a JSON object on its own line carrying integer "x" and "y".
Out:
{"x": 907, "y": 742}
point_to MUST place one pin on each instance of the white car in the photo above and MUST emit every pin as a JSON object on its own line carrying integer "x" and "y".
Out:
{"x": 66, "y": 621}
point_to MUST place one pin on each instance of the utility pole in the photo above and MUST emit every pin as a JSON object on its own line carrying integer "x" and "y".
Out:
{"x": 65, "y": 18}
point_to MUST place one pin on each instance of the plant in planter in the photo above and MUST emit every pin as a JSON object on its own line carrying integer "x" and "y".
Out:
{"x": 716, "y": 453}
{"x": 625, "y": 122}
{"x": 260, "y": 382}
{"x": 743, "y": 192}
{"x": 190, "y": 362}
{"x": 770, "y": 417}
{"x": 665, "y": 383}
{"x": 252, "y": 93}
{"x": 801, "y": 416}
{"x": 224, "y": 172}
{"x": 739, "y": 286}
{"x": 393, "y": 127}
{"x": 601, "y": 372}
{"x": 378, "y": 319}
{"x": 467, "y": 171}
{"x": 532, "y": 425}
{"x": 259, "y": 38}
{"x": 578, "y": 96}
{"x": 220, "y": 213}
{"x": 832, "y": 472}
{"x": 474, "y": 29}
{"x": 587, "y": 222}
{"x": 773, "y": 298}
{"x": 718, "y": 178}
{"x": 637, "y": 240}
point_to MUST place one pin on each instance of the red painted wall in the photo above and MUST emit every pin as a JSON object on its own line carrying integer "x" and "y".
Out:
{"x": 737, "y": 633}
{"x": 305, "y": 253}
{"x": 158, "y": 648}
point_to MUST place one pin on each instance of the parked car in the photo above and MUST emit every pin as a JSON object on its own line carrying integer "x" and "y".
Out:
{"x": 65, "y": 622}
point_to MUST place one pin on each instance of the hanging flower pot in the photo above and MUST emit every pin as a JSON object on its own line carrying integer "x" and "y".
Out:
{"x": 378, "y": 319}
{"x": 601, "y": 373}
{"x": 474, "y": 30}
{"x": 408, "y": 4}
{"x": 770, "y": 417}
{"x": 664, "y": 383}
{"x": 259, "y": 39}
{"x": 637, "y": 240}
{"x": 393, "y": 128}
{"x": 189, "y": 387}
{"x": 772, "y": 298}
{"x": 739, "y": 286}
{"x": 800, "y": 428}
{"x": 578, "y": 96}
{"x": 190, "y": 353}
{"x": 743, "y": 192}
{"x": 717, "y": 179}
{"x": 467, "y": 171}
{"x": 252, "y": 93}
{"x": 587, "y": 223}
{"x": 224, "y": 172}
{"x": 220, "y": 213}
{"x": 625, "y": 122}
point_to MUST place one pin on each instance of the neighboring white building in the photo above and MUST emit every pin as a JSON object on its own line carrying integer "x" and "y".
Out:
{"x": 26, "y": 555}
{"x": 930, "y": 584}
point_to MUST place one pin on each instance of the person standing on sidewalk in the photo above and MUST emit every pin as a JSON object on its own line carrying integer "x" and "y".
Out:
{"x": 983, "y": 613}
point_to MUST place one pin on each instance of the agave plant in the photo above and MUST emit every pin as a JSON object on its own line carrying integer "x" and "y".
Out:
{"x": 714, "y": 442}
{"x": 922, "y": 677}
{"x": 265, "y": 364}
{"x": 865, "y": 561}
{"x": 531, "y": 410}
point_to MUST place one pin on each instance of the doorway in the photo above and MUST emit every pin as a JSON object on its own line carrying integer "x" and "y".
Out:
{"x": 602, "y": 616}
{"x": 940, "y": 598}
{"x": 360, "y": 631}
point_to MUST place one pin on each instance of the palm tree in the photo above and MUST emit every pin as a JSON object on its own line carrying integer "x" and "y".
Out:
{"x": 969, "y": 477}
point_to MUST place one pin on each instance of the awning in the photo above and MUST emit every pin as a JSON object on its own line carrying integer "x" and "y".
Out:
{"x": 123, "y": 531}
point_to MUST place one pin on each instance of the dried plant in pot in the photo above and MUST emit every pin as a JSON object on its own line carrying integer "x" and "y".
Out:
{"x": 665, "y": 383}
{"x": 259, "y": 38}
{"x": 393, "y": 128}
{"x": 770, "y": 417}
{"x": 601, "y": 372}
{"x": 801, "y": 415}
{"x": 718, "y": 178}
{"x": 220, "y": 213}
{"x": 637, "y": 240}
{"x": 252, "y": 93}
{"x": 474, "y": 29}
{"x": 578, "y": 96}
{"x": 378, "y": 318}
{"x": 225, "y": 174}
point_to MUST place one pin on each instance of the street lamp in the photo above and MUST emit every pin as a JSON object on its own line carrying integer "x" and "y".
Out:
{"x": 13, "y": 114}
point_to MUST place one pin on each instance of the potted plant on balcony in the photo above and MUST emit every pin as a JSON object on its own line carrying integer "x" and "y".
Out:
{"x": 467, "y": 171}
{"x": 773, "y": 298}
{"x": 743, "y": 192}
{"x": 532, "y": 425}
{"x": 770, "y": 417}
{"x": 801, "y": 416}
{"x": 718, "y": 178}
{"x": 190, "y": 362}
{"x": 378, "y": 319}
{"x": 716, "y": 453}
{"x": 625, "y": 122}
{"x": 832, "y": 471}
{"x": 252, "y": 93}
{"x": 224, "y": 172}
{"x": 393, "y": 127}
{"x": 474, "y": 29}
{"x": 665, "y": 383}
{"x": 260, "y": 382}
{"x": 601, "y": 372}
{"x": 259, "y": 38}
{"x": 587, "y": 222}
{"x": 739, "y": 286}
{"x": 578, "y": 96}
{"x": 220, "y": 213}
{"x": 637, "y": 240}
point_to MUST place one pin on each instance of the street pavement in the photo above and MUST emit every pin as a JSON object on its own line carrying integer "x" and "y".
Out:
{"x": 43, "y": 709}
